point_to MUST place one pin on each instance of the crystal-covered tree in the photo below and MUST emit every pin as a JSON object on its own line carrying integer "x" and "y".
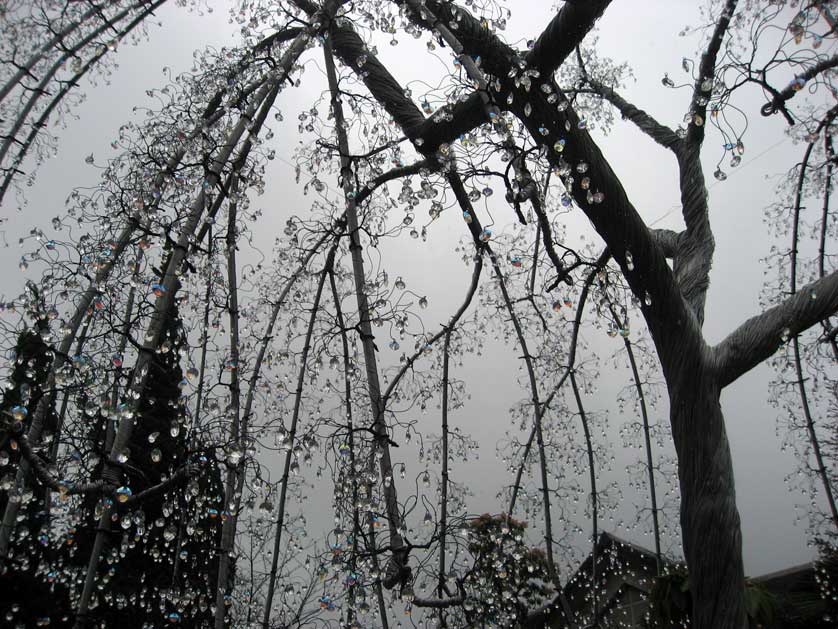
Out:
{"x": 293, "y": 359}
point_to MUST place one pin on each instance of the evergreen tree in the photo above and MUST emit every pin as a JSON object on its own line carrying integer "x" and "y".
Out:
{"x": 169, "y": 539}
{"x": 27, "y": 596}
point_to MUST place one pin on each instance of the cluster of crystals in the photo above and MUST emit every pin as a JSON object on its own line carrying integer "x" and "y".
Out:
{"x": 37, "y": 75}
{"x": 131, "y": 221}
{"x": 507, "y": 576}
{"x": 119, "y": 272}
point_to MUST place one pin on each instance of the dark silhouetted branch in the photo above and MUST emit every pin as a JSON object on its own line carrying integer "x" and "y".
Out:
{"x": 564, "y": 33}
{"x": 780, "y": 98}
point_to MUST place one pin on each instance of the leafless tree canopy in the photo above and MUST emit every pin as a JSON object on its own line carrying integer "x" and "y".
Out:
{"x": 184, "y": 415}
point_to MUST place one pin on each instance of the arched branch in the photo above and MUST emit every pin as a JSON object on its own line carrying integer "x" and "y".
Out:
{"x": 647, "y": 440}
{"x": 292, "y": 435}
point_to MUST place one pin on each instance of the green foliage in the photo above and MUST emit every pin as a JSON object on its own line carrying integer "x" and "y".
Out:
{"x": 760, "y": 604}
{"x": 805, "y": 601}
{"x": 670, "y": 603}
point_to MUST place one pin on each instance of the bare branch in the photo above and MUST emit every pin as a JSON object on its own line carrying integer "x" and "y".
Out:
{"x": 565, "y": 31}
{"x": 571, "y": 363}
{"x": 395, "y": 173}
{"x": 26, "y": 68}
{"x": 41, "y": 471}
{"x": 797, "y": 84}
{"x": 760, "y": 336}
{"x": 183, "y": 474}
{"x": 397, "y": 570}
{"x": 644, "y": 121}
{"x": 438, "y": 603}
{"x": 42, "y": 86}
{"x": 706, "y": 72}
{"x": 466, "y": 206}
{"x": 586, "y": 429}
{"x": 644, "y": 414}
{"x": 292, "y": 436}
{"x": 408, "y": 364}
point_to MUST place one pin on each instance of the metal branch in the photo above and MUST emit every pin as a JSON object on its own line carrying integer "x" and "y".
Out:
{"x": 706, "y": 72}
{"x": 782, "y": 97}
{"x": 199, "y": 394}
{"x": 791, "y": 330}
{"x": 443, "y": 498}
{"x": 466, "y": 206}
{"x": 25, "y": 69}
{"x": 408, "y": 364}
{"x": 395, "y": 173}
{"x": 238, "y": 426}
{"x": 292, "y": 435}
{"x": 644, "y": 413}
{"x": 211, "y": 115}
{"x": 825, "y": 210}
{"x": 571, "y": 362}
{"x": 59, "y": 63}
{"x": 397, "y": 569}
{"x": 594, "y": 498}
{"x": 350, "y": 428}
{"x": 162, "y": 305}
{"x": 183, "y": 474}
{"x": 228, "y": 531}
{"x": 439, "y": 603}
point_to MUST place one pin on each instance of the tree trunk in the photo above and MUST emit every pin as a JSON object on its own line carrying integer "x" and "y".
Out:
{"x": 710, "y": 524}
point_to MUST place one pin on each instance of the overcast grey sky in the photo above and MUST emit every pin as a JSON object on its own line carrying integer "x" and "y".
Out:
{"x": 645, "y": 34}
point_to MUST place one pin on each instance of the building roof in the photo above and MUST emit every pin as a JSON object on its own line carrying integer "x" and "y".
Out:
{"x": 614, "y": 555}
{"x": 635, "y": 567}
{"x": 788, "y": 578}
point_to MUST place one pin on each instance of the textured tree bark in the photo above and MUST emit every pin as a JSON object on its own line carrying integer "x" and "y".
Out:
{"x": 564, "y": 32}
{"x": 710, "y": 525}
